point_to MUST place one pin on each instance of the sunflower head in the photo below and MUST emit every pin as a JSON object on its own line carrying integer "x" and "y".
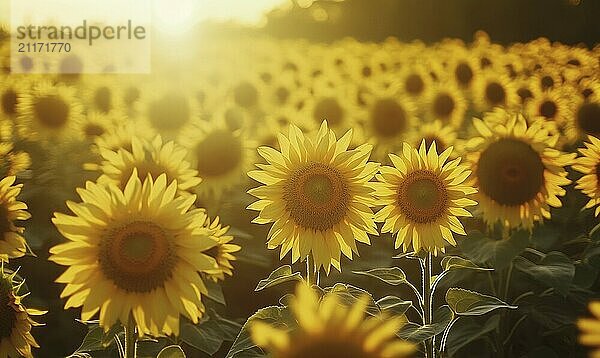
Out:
{"x": 223, "y": 251}
{"x": 518, "y": 172}
{"x": 316, "y": 192}
{"x": 15, "y": 324}
{"x": 589, "y": 165}
{"x": 423, "y": 195}
{"x": 48, "y": 111}
{"x": 329, "y": 329}
{"x": 220, "y": 156}
{"x": 11, "y": 212}
{"x": 589, "y": 328}
{"x": 148, "y": 158}
{"x": 135, "y": 253}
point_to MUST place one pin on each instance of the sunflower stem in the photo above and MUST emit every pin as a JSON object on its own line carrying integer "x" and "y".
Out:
{"x": 427, "y": 305}
{"x": 311, "y": 276}
{"x": 130, "y": 338}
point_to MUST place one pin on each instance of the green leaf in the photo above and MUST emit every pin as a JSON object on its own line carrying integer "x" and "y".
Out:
{"x": 555, "y": 269}
{"x": 392, "y": 275}
{"x": 204, "y": 336}
{"x": 394, "y": 304}
{"x": 215, "y": 291}
{"x": 467, "y": 331}
{"x": 209, "y": 334}
{"x": 171, "y": 352}
{"x": 278, "y": 276}
{"x": 469, "y": 303}
{"x": 417, "y": 333}
{"x": 456, "y": 262}
{"x": 348, "y": 295}
{"x": 495, "y": 253}
{"x": 96, "y": 339}
{"x": 278, "y": 317}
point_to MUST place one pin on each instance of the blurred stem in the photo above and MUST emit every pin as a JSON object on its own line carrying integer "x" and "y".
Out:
{"x": 507, "y": 282}
{"x": 311, "y": 276}
{"x": 427, "y": 305}
{"x": 130, "y": 338}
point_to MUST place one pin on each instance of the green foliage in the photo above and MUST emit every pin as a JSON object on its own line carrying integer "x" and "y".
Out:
{"x": 279, "y": 317}
{"x": 469, "y": 303}
{"x": 392, "y": 275}
{"x": 173, "y": 351}
{"x": 279, "y": 276}
{"x": 554, "y": 269}
{"x": 497, "y": 253}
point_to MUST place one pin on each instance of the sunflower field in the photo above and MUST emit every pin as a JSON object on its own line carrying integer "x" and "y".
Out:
{"x": 343, "y": 200}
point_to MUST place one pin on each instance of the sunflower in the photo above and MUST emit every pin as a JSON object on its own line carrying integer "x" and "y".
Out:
{"x": 415, "y": 82}
{"x": 135, "y": 253}
{"x": 247, "y": 93}
{"x": 316, "y": 192}
{"x": 48, "y": 111}
{"x": 589, "y": 166}
{"x": 13, "y": 243}
{"x": 15, "y": 329}
{"x": 444, "y": 136}
{"x": 586, "y": 119}
{"x": 494, "y": 90}
{"x": 10, "y": 92}
{"x": 330, "y": 104}
{"x": 550, "y": 105}
{"x": 525, "y": 90}
{"x": 120, "y": 135}
{"x": 97, "y": 124}
{"x": 446, "y": 103}
{"x": 153, "y": 158}
{"x": 102, "y": 95}
{"x": 172, "y": 114}
{"x": 548, "y": 78}
{"x": 387, "y": 120}
{"x": 221, "y": 157}
{"x": 463, "y": 70}
{"x": 223, "y": 251}
{"x": 12, "y": 162}
{"x": 590, "y": 329}
{"x": 330, "y": 329}
{"x": 517, "y": 172}
{"x": 423, "y": 196}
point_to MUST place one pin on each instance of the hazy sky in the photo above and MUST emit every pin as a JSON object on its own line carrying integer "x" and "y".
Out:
{"x": 247, "y": 11}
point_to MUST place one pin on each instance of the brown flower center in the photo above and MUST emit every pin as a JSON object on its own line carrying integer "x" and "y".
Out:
{"x": 443, "y": 105}
{"x": 495, "y": 94}
{"x": 388, "y": 118}
{"x": 330, "y": 110}
{"x": 169, "y": 113}
{"x": 245, "y": 95}
{"x": 422, "y": 197}
{"x": 524, "y": 94}
{"x": 510, "y": 172}
{"x": 328, "y": 347}
{"x": 588, "y": 118}
{"x": 9, "y": 102}
{"x": 103, "y": 99}
{"x": 463, "y": 74}
{"x": 548, "y": 109}
{"x": 137, "y": 257}
{"x": 317, "y": 196}
{"x": 547, "y": 82}
{"x": 93, "y": 130}
{"x": 218, "y": 153}
{"x": 414, "y": 84}
{"x": 51, "y": 111}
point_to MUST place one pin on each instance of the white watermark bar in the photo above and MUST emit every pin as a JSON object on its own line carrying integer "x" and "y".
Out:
{"x": 81, "y": 36}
